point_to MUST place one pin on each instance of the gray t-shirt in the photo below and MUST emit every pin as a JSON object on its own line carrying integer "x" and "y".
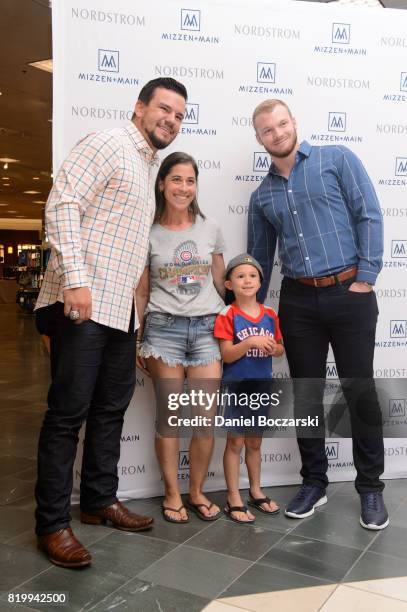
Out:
{"x": 180, "y": 263}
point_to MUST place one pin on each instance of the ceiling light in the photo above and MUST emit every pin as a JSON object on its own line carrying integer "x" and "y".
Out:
{"x": 36, "y": 178}
{"x": 21, "y": 217}
{"x": 39, "y": 202}
{"x": 8, "y": 160}
{"x": 42, "y": 65}
{"x": 6, "y": 184}
{"x": 31, "y": 192}
{"x": 5, "y": 166}
{"x": 3, "y": 204}
{"x": 11, "y": 211}
{"x": 5, "y": 178}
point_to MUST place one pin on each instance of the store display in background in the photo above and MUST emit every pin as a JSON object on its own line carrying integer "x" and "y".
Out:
{"x": 23, "y": 258}
{"x": 20, "y": 260}
{"x": 32, "y": 261}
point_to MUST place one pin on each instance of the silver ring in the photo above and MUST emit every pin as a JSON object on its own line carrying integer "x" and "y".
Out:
{"x": 74, "y": 315}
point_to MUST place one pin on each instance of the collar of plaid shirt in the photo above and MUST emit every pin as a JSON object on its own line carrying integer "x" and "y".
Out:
{"x": 141, "y": 143}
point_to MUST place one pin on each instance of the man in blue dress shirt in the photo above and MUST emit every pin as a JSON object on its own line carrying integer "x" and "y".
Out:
{"x": 320, "y": 204}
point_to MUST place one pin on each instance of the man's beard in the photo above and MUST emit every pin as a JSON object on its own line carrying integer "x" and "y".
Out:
{"x": 280, "y": 154}
{"x": 157, "y": 142}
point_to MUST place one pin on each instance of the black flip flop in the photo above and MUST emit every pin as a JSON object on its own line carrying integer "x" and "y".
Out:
{"x": 256, "y": 503}
{"x": 169, "y": 518}
{"x": 229, "y": 509}
{"x": 201, "y": 515}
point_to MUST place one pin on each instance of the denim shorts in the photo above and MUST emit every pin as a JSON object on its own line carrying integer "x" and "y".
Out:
{"x": 186, "y": 341}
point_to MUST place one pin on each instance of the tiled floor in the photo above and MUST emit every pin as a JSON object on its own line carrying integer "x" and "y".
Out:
{"x": 325, "y": 563}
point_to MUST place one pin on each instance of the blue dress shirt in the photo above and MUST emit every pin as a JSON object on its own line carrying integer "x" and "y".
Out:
{"x": 326, "y": 216}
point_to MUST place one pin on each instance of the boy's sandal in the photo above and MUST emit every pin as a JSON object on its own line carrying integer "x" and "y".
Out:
{"x": 196, "y": 508}
{"x": 229, "y": 509}
{"x": 170, "y": 519}
{"x": 257, "y": 503}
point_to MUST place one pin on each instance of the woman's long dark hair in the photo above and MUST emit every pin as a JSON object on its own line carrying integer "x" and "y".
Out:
{"x": 169, "y": 162}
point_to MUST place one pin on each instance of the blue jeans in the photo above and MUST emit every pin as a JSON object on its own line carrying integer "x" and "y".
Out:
{"x": 93, "y": 378}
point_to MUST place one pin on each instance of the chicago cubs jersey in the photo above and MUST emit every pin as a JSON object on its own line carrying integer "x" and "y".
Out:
{"x": 234, "y": 324}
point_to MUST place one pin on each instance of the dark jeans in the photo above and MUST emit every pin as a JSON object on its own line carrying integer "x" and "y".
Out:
{"x": 312, "y": 318}
{"x": 93, "y": 378}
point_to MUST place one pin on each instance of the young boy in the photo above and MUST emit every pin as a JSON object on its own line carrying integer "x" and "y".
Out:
{"x": 249, "y": 337}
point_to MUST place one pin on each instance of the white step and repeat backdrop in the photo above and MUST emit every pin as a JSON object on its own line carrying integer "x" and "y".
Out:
{"x": 343, "y": 71}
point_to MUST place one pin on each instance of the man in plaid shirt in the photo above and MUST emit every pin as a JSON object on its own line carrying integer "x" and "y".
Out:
{"x": 98, "y": 219}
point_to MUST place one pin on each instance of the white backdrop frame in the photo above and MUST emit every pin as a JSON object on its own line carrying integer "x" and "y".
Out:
{"x": 326, "y": 62}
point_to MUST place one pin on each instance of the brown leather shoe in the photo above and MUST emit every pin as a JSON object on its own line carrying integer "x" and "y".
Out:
{"x": 64, "y": 549}
{"x": 120, "y": 516}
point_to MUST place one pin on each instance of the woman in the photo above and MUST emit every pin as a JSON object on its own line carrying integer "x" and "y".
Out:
{"x": 181, "y": 293}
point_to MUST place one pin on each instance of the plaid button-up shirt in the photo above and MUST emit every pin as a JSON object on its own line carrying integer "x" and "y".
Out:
{"x": 98, "y": 219}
